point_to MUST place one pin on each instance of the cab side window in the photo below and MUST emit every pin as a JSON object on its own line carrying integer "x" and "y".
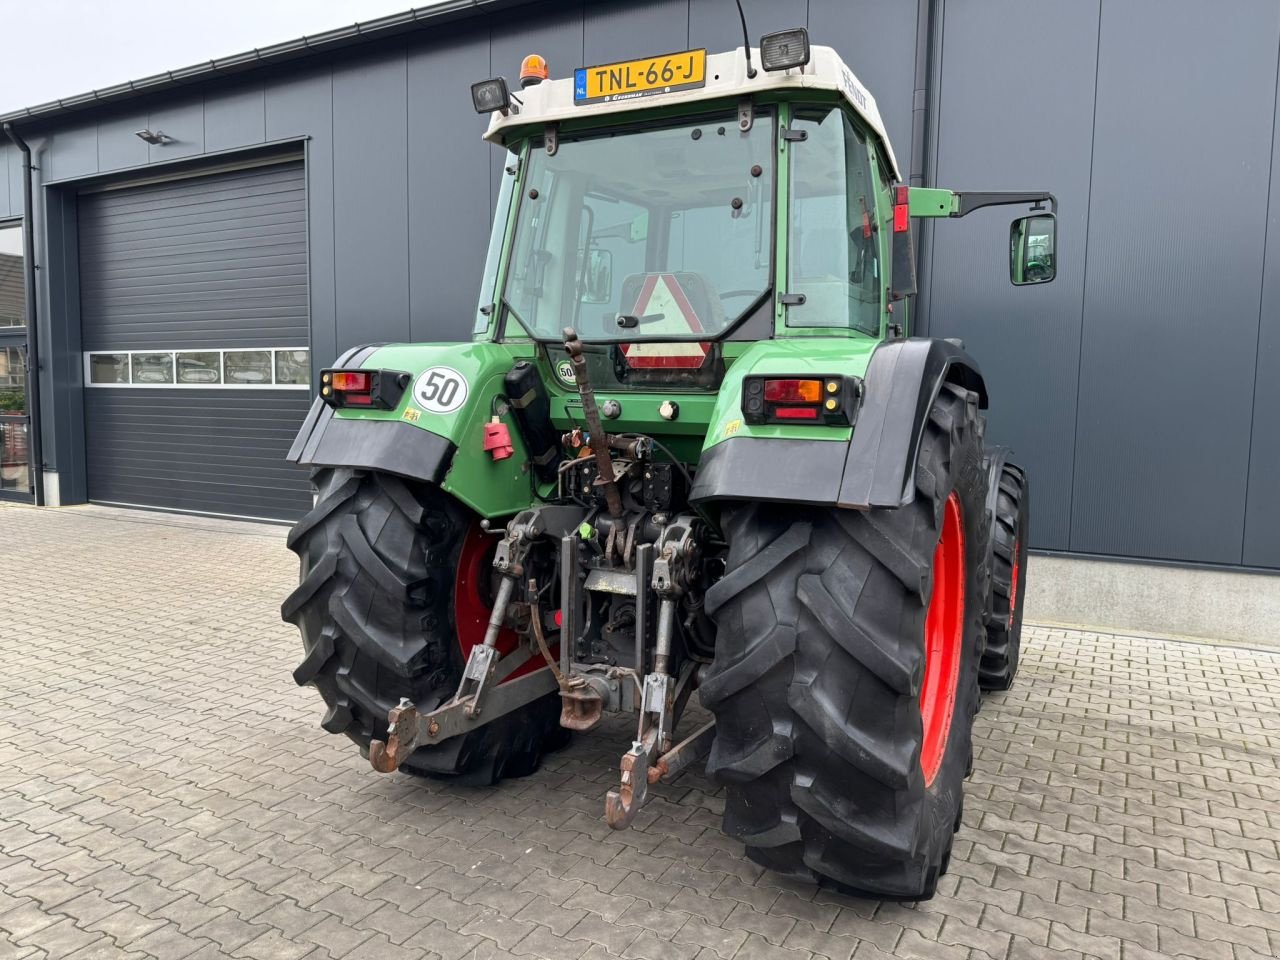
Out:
{"x": 834, "y": 241}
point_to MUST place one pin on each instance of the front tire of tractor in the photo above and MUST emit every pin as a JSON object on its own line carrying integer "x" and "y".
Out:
{"x": 1008, "y": 578}
{"x": 845, "y": 679}
{"x": 376, "y": 607}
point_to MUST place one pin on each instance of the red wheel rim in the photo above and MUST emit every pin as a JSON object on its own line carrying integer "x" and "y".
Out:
{"x": 1013, "y": 585}
{"x": 470, "y": 608}
{"x": 943, "y": 641}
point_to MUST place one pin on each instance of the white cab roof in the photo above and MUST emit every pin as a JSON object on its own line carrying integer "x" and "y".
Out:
{"x": 552, "y": 101}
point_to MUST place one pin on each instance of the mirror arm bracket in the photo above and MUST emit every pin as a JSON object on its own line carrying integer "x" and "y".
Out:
{"x": 967, "y": 202}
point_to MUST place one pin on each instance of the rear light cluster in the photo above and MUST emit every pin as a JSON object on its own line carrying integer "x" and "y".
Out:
{"x": 829, "y": 399}
{"x": 902, "y": 249}
{"x": 374, "y": 389}
{"x": 901, "y": 209}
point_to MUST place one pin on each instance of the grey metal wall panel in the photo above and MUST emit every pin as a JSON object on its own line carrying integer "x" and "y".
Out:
{"x": 5, "y": 209}
{"x": 448, "y": 184}
{"x": 118, "y": 143}
{"x": 206, "y": 451}
{"x": 997, "y": 135}
{"x": 714, "y": 24}
{"x": 72, "y": 152}
{"x": 1172, "y": 292}
{"x": 184, "y": 121}
{"x": 216, "y": 261}
{"x": 303, "y": 107}
{"x": 877, "y": 39}
{"x": 236, "y": 118}
{"x": 1262, "y": 514}
{"x": 15, "y": 176}
{"x": 60, "y": 345}
{"x": 623, "y": 29}
{"x": 371, "y": 222}
{"x": 1262, "y": 503}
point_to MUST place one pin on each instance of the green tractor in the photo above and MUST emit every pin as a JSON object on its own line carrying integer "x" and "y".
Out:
{"x": 692, "y": 446}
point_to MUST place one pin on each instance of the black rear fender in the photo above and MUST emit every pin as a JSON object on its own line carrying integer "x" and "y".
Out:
{"x": 388, "y": 446}
{"x": 876, "y": 468}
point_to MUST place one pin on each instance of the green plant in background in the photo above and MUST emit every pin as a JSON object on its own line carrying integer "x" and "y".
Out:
{"x": 12, "y": 401}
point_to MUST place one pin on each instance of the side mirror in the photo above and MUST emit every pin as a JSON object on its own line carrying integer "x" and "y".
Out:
{"x": 1032, "y": 249}
{"x": 598, "y": 283}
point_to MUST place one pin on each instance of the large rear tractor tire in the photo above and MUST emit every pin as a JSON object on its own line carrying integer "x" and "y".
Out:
{"x": 393, "y": 593}
{"x": 1008, "y": 579}
{"x": 846, "y": 673}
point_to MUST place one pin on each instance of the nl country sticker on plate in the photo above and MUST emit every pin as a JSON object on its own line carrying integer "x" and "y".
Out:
{"x": 640, "y": 78}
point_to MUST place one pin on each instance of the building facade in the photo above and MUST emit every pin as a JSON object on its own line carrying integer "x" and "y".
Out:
{"x": 302, "y": 199}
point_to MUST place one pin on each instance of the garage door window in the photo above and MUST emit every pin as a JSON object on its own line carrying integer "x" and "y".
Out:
{"x": 250, "y": 368}
{"x": 293, "y": 366}
{"x": 153, "y": 368}
{"x": 109, "y": 368}
{"x": 277, "y": 368}
{"x": 200, "y": 369}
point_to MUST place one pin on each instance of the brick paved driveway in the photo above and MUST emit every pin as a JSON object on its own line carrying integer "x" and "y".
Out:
{"x": 165, "y": 791}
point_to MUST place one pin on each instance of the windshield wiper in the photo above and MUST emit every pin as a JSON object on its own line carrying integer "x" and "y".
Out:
{"x": 629, "y": 320}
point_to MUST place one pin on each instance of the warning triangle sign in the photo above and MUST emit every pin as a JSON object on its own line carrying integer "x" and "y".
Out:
{"x": 662, "y": 296}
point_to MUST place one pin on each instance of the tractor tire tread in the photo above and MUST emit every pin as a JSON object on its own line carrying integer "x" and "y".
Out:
{"x": 818, "y": 667}
{"x": 1000, "y": 657}
{"x": 374, "y": 607}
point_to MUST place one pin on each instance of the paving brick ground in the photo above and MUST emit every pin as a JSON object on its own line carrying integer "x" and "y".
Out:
{"x": 165, "y": 791}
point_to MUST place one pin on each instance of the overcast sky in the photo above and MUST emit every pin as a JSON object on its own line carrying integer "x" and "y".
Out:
{"x": 56, "y": 48}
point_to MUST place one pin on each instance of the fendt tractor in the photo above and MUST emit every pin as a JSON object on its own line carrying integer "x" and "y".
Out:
{"x": 692, "y": 446}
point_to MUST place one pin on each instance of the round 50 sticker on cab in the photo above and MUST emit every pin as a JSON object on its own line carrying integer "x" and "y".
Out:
{"x": 440, "y": 390}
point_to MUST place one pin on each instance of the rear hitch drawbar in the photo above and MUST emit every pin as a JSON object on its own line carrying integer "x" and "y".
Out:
{"x": 408, "y": 729}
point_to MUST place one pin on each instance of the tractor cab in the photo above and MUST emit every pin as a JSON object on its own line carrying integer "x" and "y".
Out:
{"x": 673, "y": 209}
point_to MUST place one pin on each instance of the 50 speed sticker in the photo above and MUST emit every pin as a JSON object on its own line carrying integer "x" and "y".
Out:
{"x": 440, "y": 390}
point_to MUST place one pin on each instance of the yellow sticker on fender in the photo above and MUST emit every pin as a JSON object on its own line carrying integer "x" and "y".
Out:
{"x": 640, "y": 78}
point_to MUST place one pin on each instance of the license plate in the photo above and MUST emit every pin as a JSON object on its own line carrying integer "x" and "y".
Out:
{"x": 640, "y": 78}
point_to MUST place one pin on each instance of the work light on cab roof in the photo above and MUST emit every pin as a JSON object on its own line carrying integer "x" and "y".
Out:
{"x": 491, "y": 95}
{"x": 693, "y": 446}
{"x": 784, "y": 49}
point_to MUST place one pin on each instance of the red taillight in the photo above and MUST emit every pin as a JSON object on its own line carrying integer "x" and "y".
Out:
{"x": 901, "y": 210}
{"x": 793, "y": 391}
{"x": 827, "y": 399}
{"x": 350, "y": 381}
{"x": 796, "y": 413}
{"x": 381, "y": 389}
